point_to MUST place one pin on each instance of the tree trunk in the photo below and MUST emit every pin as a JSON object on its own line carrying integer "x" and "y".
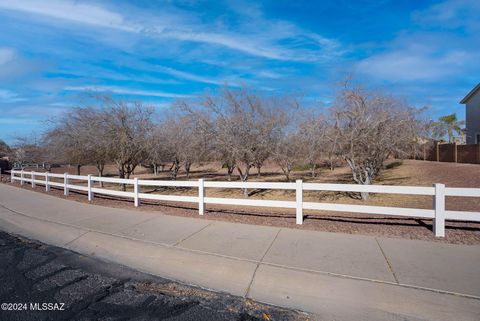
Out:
{"x": 244, "y": 178}
{"x": 366, "y": 181}
{"x": 78, "y": 169}
{"x": 313, "y": 166}
{"x": 175, "y": 169}
{"x": 230, "y": 169}
{"x": 259, "y": 173}
{"x": 121, "y": 174}
{"x": 100, "y": 168}
{"x": 130, "y": 170}
{"x": 330, "y": 161}
{"x": 187, "y": 168}
{"x": 362, "y": 176}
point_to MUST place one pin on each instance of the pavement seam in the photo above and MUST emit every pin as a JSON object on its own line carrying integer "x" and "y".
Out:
{"x": 87, "y": 218}
{"x": 247, "y": 291}
{"x": 254, "y": 261}
{"x": 388, "y": 262}
{"x": 13, "y": 211}
{"x": 70, "y": 242}
{"x": 134, "y": 225}
{"x": 344, "y": 276}
{"x": 133, "y": 238}
{"x": 189, "y": 236}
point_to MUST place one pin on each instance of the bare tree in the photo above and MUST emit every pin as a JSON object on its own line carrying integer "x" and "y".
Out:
{"x": 97, "y": 144}
{"x": 27, "y": 150}
{"x": 178, "y": 137}
{"x": 78, "y": 138}
{"x": 261, "y": 154}
{"x": 282, "y": 116}
{"x": 245, "y": 123}
{"x": 287, "y": 151}
{"x": 331, "y": 147}
{"x": 228, "y": 160}
{"x": 197, "y": 147}
{"x": 370, "y": 128}
{"x": 158, "y": 154}
{"x": 312, "y": 138}
{"x": 66, "y": 141}
{"x": 191, "y": 136}
{"x": 127, "y": 127}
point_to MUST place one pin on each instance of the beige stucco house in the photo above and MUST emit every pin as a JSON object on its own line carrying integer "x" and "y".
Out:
{"x": 472, "y": 115}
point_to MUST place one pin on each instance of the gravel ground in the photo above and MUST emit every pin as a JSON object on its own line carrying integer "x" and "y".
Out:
{"x": 82, "y": 288}
{"x": 412, "y": 173}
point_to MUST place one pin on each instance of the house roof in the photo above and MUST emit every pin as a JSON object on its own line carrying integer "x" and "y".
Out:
{"x": 470, "y": 94}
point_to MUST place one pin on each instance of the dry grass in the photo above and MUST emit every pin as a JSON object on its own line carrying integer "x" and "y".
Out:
{"x": 408, "y": 173}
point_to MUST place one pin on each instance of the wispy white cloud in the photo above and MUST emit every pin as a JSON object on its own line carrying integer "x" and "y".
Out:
{"x": 125, "y": 91}
{"x": 13, "y": 66}
{"x": 266, "y": 39}
{"x": 269, "y": 74}
{"x": 416, "y": 62}
{"x": 157, "y": 104}
{"x": 72, "y": 11}
{"x": 187, "y": 75}
{"x": 7, "y": 96}
{"x": 94, "y": 73}
{"x": 6, "y": 55}
{"x": 19, "y": 121}
{"x": 430, "y": 51}
{"x": 233, "y": 41}
{"x": 451, "y": 14}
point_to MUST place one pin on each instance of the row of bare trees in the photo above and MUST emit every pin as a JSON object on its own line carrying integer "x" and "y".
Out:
{"x": 115, "y": 133}
{"x": 242, "y": 130}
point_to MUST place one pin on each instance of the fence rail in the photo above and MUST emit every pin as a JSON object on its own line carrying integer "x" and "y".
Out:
{"x": 437, "y": 213}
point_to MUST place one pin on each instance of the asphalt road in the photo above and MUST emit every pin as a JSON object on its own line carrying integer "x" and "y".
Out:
{"x": 40, "y": 282}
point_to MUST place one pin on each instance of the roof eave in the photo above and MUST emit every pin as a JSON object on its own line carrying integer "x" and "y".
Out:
{"x": 470, "y": 94}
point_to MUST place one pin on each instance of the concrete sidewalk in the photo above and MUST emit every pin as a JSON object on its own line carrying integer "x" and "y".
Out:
{"x": 336, "y": 276}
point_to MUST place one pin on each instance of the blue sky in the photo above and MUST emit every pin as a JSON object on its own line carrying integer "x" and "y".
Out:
{"x": 51, "y": 52}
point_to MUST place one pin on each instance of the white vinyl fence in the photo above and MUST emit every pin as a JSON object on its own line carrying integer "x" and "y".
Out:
{"x": 437, "y": 191}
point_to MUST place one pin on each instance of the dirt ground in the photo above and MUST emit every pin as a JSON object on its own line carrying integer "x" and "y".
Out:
{"x": 408, "y": 173}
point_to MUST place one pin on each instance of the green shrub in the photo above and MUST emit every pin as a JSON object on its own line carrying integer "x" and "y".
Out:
{"x": 393, "y": 164}
{"x": 304, "y": 167}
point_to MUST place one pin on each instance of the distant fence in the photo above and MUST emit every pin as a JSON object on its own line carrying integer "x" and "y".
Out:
{"x": 438, "y": 193}
{"x": 455, "y": 153}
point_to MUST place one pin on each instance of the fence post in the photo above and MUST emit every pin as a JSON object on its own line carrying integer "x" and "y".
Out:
{"x": 456, "y": 152}
{"x": 299, "y": 199}
{"x": 201, "y": 196}
{"x": 11, "y": 175}
{"x": 478, "y": 152}
{"x": 32, "y": 176}
{"x": 47, "y": 179}
{"x": 135, "y": 192}
{"x": 65, "y": 183}
{"x": 89, "y": 185}
{"x": 21, "y": 177}
{"x": 439, "y": 207}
